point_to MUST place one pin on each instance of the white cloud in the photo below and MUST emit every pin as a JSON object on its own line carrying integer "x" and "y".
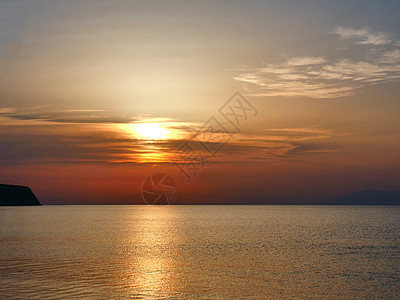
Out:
{"x": 6, "y": 110}
{"x": 366, "y": 37}
{"x": 317, "y": 77}
{"x": 390, "y": 57}
{"x": 303, "y": 61}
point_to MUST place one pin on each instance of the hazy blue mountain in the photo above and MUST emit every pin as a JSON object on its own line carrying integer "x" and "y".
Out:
{"x": 368, "y": 197}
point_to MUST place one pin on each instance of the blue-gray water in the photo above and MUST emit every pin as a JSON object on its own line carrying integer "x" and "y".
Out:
{"x": 199, "y": 252}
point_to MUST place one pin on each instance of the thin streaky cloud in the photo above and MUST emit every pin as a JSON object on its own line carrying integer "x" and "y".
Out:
{"x": 112, "y": 144}
{"x": 304, "y": 61}
{"x": 364, "y": 36}
{"x": 300, "y": 130}
{"x": 317, "y": 77}
{"x": 50, "y": 114}
{"x": 6, "y": 110}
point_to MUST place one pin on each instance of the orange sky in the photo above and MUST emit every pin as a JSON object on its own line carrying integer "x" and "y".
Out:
{"x": 96, "y": 96}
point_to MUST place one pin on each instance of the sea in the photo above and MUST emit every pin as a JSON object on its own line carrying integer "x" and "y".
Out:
{"x": 200, "y": 252}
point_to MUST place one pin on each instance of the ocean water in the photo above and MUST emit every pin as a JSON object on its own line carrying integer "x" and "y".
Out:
{"x": 199, "y": 252}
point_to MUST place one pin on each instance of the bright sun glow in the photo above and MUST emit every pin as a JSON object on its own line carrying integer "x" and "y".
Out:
{"x": 145, "y": 137}
{"x": 150, "y": 131}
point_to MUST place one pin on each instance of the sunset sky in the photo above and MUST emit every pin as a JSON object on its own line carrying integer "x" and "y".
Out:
{"x": 97, "y": 95}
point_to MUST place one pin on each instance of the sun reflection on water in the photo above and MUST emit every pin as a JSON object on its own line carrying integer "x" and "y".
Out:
{"x": 156, "y": 259}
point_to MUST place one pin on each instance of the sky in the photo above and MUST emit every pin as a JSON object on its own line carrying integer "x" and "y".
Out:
{"x": 95, "y": 96}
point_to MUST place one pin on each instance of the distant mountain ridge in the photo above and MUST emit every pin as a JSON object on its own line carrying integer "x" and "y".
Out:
{"x": 367, "y": 197}
{"x": 16, "y": 195}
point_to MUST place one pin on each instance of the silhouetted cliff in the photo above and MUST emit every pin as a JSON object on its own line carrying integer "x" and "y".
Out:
{"x": 15, "y": 195}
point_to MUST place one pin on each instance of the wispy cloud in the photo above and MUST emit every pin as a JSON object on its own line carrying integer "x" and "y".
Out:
{"x": 363, "y": 36}
{"x": 319, "y": 77}
{"x": 6, "y": 110}
{"x": 51, "y": 114}
{"x": 276, "y": 144}
{"x": 304, "y": 61}
{"x": 27, "y": 140}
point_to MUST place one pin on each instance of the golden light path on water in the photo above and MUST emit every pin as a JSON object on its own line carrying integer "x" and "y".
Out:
{"x": 157, "y": 259}
{"x": 199, "y": 252}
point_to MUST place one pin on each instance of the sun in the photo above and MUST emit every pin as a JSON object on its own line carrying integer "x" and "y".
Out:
{"x": 150, "y": 131}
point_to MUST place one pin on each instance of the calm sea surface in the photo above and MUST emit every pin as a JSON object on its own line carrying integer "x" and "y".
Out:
{"x": 199, "y": 252}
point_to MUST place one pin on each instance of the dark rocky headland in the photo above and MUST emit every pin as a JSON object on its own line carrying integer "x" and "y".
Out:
{"x": 15, "y": 195}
